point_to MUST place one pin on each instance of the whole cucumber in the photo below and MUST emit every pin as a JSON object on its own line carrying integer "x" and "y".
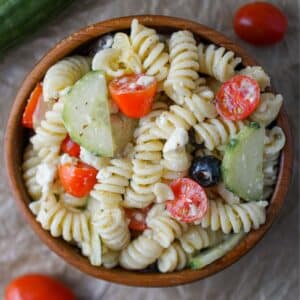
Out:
{"x": 19, "y": 18}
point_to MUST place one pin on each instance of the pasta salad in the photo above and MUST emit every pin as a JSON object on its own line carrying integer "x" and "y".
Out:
{"x": 154, "y": 152}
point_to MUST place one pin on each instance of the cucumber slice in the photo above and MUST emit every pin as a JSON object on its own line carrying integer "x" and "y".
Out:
{"x": 242, "y": 165}
{"x": 210, "y": 255}
{"x": 86, "y": 114}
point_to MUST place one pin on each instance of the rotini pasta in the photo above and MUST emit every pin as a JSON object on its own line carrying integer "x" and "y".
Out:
{"x": 111, "y": 225}
{"x": 217, "y": 132}
{"x": 173, "y": 258}
{"x": 128, "y": 57}
{"x": 52, "y": 131}
{"x": 217, "y": 62}
{"x": 181, "y": 81}
{"x": 64, "y": 74}
{"x": 141, "y": 252}
{"x": 268, "y": 108}
{"x": 235, "y": 217}
{"x": 152, "y": 52}
{"x": 258, "y": 74}
{"x": 166, "y": 229}
{"x": 274, "y": 142}
{"x": 197, "y": 238}
{"x": 69, "y": 223}
{"x": 112, "y": 181}
{"x": 30, "y": 164}
{"x": 146, "y": 163}
{"x": 192, "y": 112}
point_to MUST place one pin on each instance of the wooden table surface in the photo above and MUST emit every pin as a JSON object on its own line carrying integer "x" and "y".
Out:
{"x": 270, "y": 271}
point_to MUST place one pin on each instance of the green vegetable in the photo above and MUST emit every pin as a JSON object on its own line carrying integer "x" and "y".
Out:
{"x": 87, "y": 117}
{"x": 210, "y": 255}
{"x": 242, "y": 165}
{"x": 122, "y": 129}
{"x": 19, "y": 18}
{"x": 86, "y": 114}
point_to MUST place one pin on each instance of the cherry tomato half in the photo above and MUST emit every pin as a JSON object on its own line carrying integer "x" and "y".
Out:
{"x": 77, "y": 180}
{"x": 134, "y": 94}
{"x": 260, "y": 23}
{"x": 37, "y": 287}
{"x": 137, "y": 218}
{"x": 190, "y": 203}
{"x": 27, "y": 118}
{"x": 70, "y": 147}
{"x": 238, "y": 97}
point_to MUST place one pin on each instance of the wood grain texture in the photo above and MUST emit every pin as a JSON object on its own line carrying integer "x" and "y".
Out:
{"x": 15, "y": 138}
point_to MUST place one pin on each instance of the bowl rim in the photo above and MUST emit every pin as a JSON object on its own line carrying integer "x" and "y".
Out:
{"x": 65, "y": 250}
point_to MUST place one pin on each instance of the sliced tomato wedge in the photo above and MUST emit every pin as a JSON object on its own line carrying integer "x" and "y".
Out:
{"x": 77, "y": 180}
{"x": 27, "y": 118}
{"x": 238, "y": 97}
{"x": 137, "y": 218}
{"x": 190, "y": 203}
{"x": 133, "y": 94}
{"x": 70, "y": 147}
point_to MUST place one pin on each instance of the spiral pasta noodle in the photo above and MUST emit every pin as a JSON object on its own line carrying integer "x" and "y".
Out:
{"x": 64, "y": 74}
{"x": 29, "y": 167}
{"x": 146, "y": 163}
{"x": 217, "y": 62}
{"x": 154, "y": 57}
{"x": 235, "y": 217}
{"x": 258, "y": 74}
{"x": 166, "y": 229}
{"x": 181, "y": 80}
{"x": 110, "y": 258}
{"x": 274, "y": 142}
{"x": 217, "y": 132}
{"x": 268, "y": 108}
{"x": 112, "y": 227}
{"x": 197, "y": 238}
{"x": 69, "y": 223}
{"x": 141, "y": 252}
{"x": 175, "y": 163}
{"x": 195, "y": 109}
{"x": 112, "y": 181}
{"x": 52, "y": 131}
{"x": 173, "y": 258}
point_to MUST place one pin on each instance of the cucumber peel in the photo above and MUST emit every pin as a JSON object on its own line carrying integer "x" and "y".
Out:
{"x": 242, "y": 165}
{"x": 86, "y": 114}
{"x": 210, "y": 255}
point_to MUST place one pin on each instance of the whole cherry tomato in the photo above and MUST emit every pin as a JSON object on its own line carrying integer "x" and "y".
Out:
{"x": 190, "y": 203}
{"x": 260, "y": 23}
{"x": 37, "y": 287}
{"x": 77, "y": 180}
{"x": 134, "y": 94}
{"x": 70, "y": 147}
{"x": 238, "y": 97}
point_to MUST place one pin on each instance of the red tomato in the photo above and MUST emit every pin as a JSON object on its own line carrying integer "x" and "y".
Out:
{"x": 260, "y": 23}
{"x": 133, "y": 97}
{"x": 137, "y": 218}
{"x": 190, "y": 203}
{"x": 27, "y": 119}
{"x": 70, "y": 147}
{"x": 37, "y": 287}
{"x": 77, "y": 180}
{"x": 238, "y": 97}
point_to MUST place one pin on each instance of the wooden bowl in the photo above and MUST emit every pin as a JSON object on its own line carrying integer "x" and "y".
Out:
{"x": 16, "y": 138}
